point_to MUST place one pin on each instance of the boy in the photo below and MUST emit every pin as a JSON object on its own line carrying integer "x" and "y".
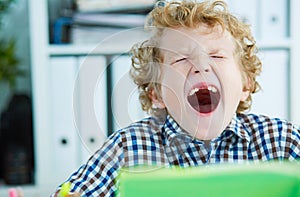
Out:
{"x": 196, "y": 75}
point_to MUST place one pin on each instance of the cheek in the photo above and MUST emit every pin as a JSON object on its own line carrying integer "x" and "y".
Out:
{"x": 172, "y": 86}
{"x": 232, "y": 83}
{"x": 172, "y": 101}
{"x": 170, "y": 90}
{"x": 170, "y": 97}
{"x": 173, "y": 78}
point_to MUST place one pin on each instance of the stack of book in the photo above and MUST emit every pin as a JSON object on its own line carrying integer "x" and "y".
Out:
{"x": 93, "y": 28}
{"x": 96, "y": 5}
{"x": 98, "y": 21}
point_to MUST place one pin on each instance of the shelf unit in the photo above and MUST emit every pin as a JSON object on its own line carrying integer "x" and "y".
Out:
{"x": 42, "y": 52}
{"x": 69, "y": 49}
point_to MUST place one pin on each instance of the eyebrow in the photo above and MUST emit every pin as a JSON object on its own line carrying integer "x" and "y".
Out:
{"x": 215, "y": 51}
{"x": 168, "y": 54}
{"x": 175, "y": 53}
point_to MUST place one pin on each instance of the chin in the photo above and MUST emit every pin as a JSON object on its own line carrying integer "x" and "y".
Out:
{"x": 207, "y": 133}
{"x": 208, "y": 125}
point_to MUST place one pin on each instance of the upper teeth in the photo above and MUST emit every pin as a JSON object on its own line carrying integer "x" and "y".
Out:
{"x": 210, "y": 88}
{"x": 193, "y": 91}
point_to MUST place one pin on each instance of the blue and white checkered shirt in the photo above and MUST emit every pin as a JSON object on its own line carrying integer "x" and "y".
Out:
{"x": 150, "y": 142}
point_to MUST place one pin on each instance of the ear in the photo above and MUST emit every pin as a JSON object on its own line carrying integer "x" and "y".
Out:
{"x": 156, "y": 102}
{"x": 245, "y": 94}
{"x": 246, "y": 90}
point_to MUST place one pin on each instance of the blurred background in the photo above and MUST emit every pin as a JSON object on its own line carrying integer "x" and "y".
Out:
{"x": 64, "y": 83}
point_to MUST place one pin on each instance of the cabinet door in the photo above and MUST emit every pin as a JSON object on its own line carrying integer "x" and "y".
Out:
{"x": 64, "y": 139}
{"x": 90, "y": 104}
{"x": 125, "y": 104}
{"x": 274, "y": 20}
{"x": 247, "y": 11}
{"x": 274, "y": 97}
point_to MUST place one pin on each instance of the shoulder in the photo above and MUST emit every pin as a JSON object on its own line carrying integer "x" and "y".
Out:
{"x": 263, "y": 122}
{"x": 273, "y": 134}
{"x": 257, "y": 118}
{"x": 145, "y": 128}
{"x": 140, "y": 143}
{"x": 149, "y": 125}
{"x": 277, "y": 128}
{"x": 140, "y": 132}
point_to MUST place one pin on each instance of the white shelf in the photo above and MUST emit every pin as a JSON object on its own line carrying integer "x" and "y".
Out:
{"x": 118, "y": 43}
{"x": 115, "y": 48}
{"x": 277, "y": 44}
{"x": 70, "y": 49}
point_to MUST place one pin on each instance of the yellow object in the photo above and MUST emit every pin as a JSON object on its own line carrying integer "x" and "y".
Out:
{"x": 65, "y": 189}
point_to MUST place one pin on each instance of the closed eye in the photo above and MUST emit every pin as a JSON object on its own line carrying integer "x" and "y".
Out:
{"x": 217, "y": 56}
{"x": 179, "y": 60}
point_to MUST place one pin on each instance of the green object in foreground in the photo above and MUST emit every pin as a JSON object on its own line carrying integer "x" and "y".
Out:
{"x": 266, "y": 180}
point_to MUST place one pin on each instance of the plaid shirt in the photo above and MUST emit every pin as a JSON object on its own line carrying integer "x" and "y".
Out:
{"x": 151, "y": 142}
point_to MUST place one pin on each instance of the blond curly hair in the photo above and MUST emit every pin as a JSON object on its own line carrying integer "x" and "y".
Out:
{"x": 146, "y": 57}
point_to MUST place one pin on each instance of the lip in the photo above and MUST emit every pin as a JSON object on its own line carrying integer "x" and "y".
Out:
{"x": 202, "y": 85}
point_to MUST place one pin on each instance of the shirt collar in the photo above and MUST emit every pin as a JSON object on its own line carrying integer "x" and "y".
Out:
{"x": 172, "y": 130}
{"x": 236, "y": 126}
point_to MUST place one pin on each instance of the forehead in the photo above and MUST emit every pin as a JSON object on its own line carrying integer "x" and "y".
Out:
{"x": 185, "y": 40}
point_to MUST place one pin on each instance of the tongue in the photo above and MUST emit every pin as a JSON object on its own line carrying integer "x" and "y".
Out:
{"x": 204, "y": 101}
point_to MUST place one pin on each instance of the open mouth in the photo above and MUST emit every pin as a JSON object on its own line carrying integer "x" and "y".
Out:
{"x": 204, "y": 99}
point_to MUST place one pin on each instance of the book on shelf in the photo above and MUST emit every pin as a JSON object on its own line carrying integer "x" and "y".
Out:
{"x": 112, "y": 36}
{"x": 111, "y": 5}
{"x": 94, "y": 27}
{"x": 109, "y": 19}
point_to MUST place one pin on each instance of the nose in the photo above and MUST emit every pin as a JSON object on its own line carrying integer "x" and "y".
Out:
{"x": 198, "y": 69}
{"x": 200, "y": 62}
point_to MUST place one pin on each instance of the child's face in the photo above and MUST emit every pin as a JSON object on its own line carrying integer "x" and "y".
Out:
{"x": 201, "y": 79}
